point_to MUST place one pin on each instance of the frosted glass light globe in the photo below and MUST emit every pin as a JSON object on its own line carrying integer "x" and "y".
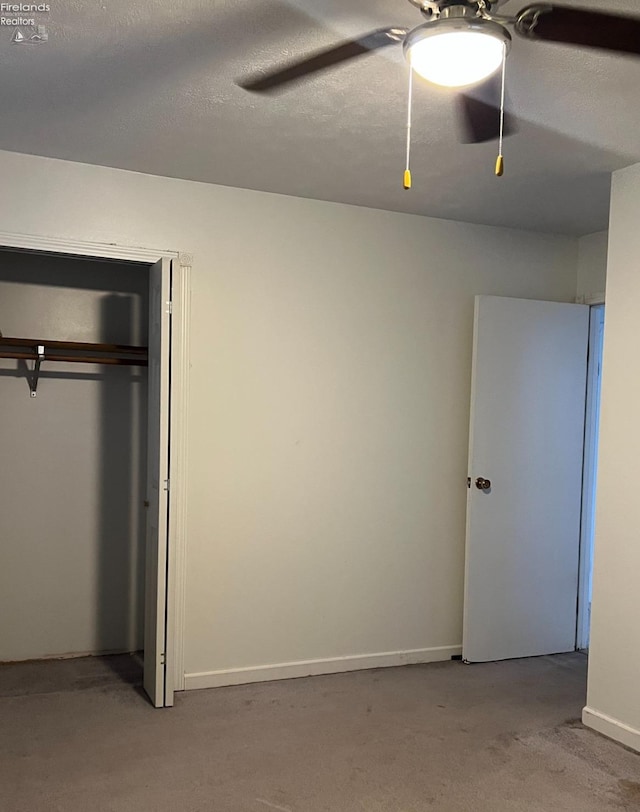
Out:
{"x": 456, "y": 53}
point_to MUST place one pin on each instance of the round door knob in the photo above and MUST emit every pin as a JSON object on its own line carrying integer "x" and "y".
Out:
{"x": 483, "y": 484}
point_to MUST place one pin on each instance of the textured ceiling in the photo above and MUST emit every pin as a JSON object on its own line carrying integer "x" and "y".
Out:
{"x": 149, "y": 85}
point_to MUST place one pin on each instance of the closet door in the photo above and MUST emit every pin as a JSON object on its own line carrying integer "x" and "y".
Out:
{"x": 157, "y": 679}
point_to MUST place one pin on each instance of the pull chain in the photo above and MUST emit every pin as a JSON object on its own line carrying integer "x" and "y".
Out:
{"x": 500, "y": 160}
{"x": 407, "y": 171}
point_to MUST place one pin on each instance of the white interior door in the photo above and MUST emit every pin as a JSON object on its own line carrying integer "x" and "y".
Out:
{"x": 527, "y": 435}
{"x": 157, "y": 682}
{"x": 590, "y": 472}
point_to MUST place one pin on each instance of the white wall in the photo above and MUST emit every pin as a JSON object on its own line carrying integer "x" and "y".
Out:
{"x": 592, "y": 267}
{"x": 72, "y": 472}
{"x": 613, "y": 702}
{"x": 330, "y": 378}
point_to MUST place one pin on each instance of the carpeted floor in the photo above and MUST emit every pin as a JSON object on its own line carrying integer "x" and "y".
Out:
{"x": 77, "y": 736}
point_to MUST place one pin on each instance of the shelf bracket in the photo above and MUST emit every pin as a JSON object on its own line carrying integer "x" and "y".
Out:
{"x": 33, "y": 382}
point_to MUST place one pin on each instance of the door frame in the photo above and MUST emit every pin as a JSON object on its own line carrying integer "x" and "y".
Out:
{"x": 182, "y": 264}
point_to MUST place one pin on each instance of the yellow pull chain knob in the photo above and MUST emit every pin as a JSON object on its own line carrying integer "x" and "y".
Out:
{"x": 500, "y": 166}
{"x": 407, "y": 179}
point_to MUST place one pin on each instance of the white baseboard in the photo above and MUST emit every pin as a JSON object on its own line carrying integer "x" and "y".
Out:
{"x": 313, "y": 668}
{"x": 612, "y": 728}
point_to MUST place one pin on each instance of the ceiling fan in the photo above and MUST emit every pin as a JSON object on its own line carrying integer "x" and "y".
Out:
{"x": 464, "y": 42}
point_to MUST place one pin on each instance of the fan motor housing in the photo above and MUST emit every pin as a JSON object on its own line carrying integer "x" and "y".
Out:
{"x": 457, "y": 24}
{"x": 431, "y": 8}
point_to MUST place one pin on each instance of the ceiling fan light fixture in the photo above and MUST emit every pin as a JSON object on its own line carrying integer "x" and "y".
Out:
{"x": 457, "y": 52}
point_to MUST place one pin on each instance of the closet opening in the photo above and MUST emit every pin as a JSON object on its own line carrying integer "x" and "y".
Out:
{"x": 84, "y": 416}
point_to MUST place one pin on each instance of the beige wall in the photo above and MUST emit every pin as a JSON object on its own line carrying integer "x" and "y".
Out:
{"x": 613, "y": 703}
{"x": 592, "y": 267}
{"x": 72, "y": 473}
{"x": 329, "y": 403}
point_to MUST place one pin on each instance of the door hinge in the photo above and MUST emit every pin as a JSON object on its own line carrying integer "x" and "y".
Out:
{"x": 167, "y": 484}
{"x": 162, "y": 657}
{"x": 169, "y": 308}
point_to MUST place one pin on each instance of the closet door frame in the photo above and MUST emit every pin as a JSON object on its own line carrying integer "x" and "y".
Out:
{"x": 178, "y": 397}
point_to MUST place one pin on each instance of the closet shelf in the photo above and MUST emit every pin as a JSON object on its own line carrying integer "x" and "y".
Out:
{"x": 74, "y": 352}
{"x": 79, "y": 352}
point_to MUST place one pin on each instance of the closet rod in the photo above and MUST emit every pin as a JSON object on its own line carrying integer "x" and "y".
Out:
{"x": 77, "y": 359}
{"x": 72, "y": 345}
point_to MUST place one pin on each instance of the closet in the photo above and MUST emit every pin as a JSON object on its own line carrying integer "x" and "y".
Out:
{"x": 73, "y": 436}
